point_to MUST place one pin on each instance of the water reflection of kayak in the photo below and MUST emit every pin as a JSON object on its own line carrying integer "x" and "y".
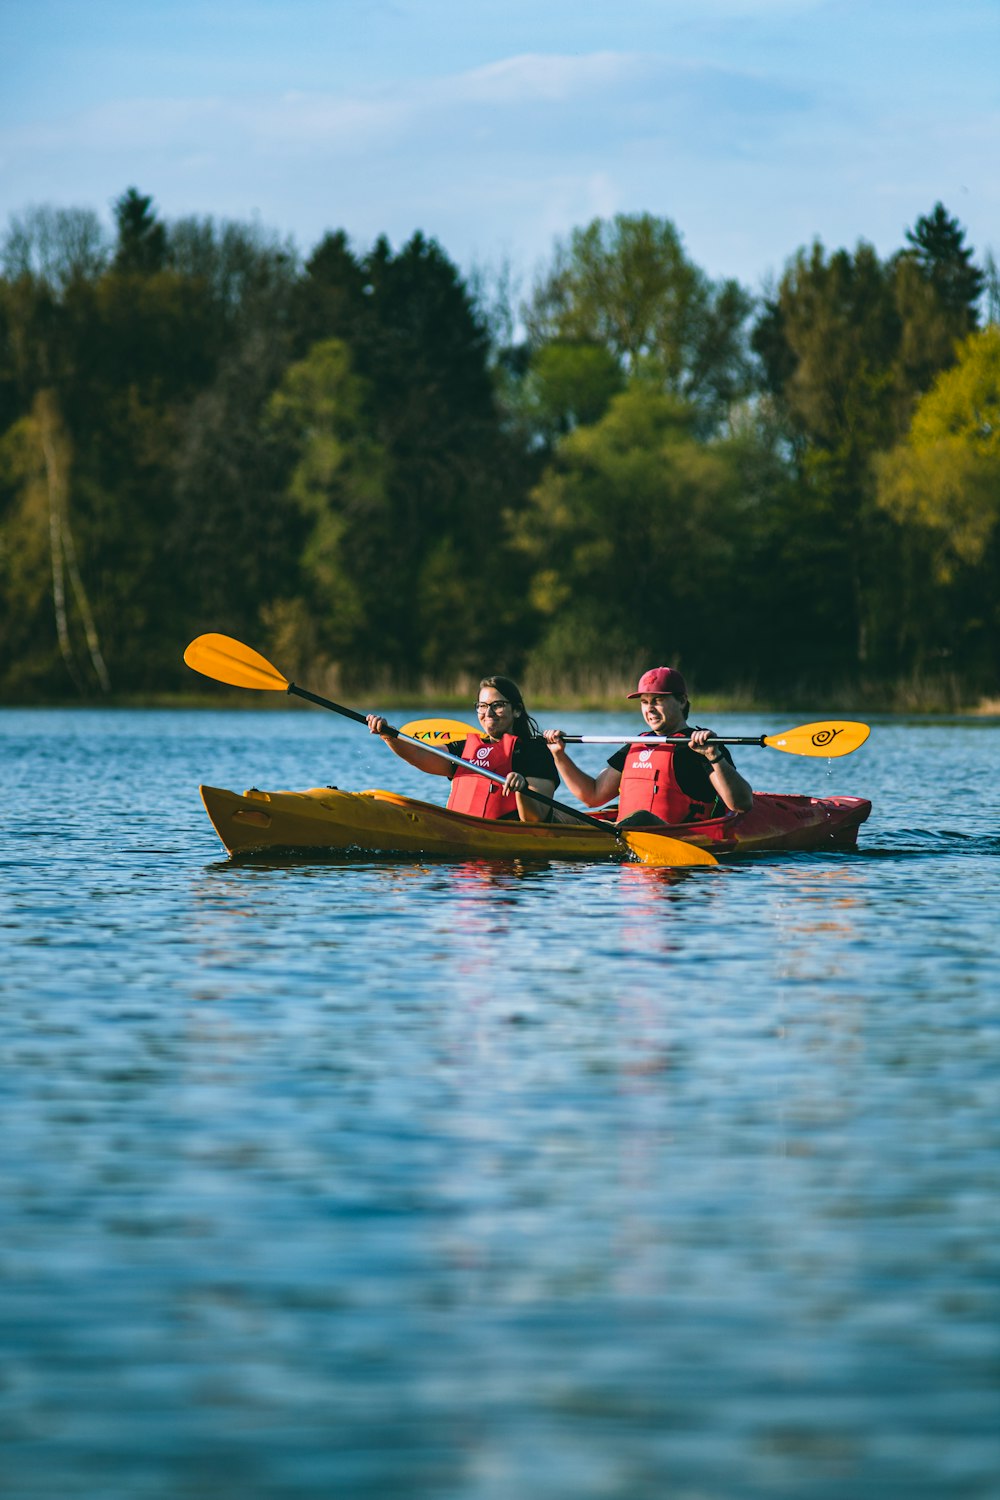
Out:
{"x": 385, "y": 823}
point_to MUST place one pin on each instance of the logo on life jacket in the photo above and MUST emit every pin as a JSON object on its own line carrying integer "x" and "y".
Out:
{"x": 481, "y": 796}
{"x": 649, "y": 784}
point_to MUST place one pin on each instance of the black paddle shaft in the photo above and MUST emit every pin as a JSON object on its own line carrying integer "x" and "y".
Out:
{"x": 338, "y": 708}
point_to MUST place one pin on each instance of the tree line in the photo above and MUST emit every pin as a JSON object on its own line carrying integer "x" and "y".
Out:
{"x": 381, "y": 473}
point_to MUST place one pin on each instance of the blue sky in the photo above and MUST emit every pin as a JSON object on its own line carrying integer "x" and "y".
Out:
{"x": 755, "y": 125}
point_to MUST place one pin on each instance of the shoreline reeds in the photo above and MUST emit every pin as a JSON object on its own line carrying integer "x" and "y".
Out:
{"x": 940, "y": 697}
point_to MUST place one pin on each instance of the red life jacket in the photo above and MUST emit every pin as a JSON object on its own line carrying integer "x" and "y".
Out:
{"x": 477, "y": 794}
{"x": 649, "y": 784}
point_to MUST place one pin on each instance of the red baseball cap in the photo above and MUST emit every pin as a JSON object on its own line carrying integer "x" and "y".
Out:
{"x": 660, "y": 680}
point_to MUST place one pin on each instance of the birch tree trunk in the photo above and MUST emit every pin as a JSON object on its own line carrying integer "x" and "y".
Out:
{"x": 56, "y": 452}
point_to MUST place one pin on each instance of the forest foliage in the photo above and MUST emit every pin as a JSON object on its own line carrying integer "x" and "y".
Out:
{"x": 382, "y": 474}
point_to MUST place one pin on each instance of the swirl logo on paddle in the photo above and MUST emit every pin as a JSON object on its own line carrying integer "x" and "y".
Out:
{"x": 825, "y": 736}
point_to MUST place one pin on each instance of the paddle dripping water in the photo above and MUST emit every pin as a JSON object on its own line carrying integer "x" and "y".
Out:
{"x": 483, "y": 1179}
{"x": 829, "y": 738}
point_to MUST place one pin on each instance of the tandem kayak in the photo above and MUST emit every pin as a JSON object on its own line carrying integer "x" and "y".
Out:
{"x": 379, "y": 822}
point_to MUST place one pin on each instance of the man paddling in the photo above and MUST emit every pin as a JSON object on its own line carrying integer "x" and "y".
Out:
{"x": 683, "y": 782}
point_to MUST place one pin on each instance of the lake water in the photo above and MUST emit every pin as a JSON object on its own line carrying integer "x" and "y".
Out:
{"x": 382, "y": 1179}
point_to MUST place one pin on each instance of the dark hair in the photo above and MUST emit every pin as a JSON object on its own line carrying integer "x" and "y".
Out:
{"x": 524, "y": 725}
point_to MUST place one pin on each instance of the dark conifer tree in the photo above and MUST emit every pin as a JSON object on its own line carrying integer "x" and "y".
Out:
{"x": 330, "y": 297}
{"x": 142, "y": 239}
{"x": 938, "y": 246}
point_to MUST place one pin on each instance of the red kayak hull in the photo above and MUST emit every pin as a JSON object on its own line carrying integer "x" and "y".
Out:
{"x": 780, "y": 821}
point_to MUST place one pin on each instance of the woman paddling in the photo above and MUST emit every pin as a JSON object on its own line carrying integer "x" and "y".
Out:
{"x": 508, "y": 743}
{"x": 683, "y": 782}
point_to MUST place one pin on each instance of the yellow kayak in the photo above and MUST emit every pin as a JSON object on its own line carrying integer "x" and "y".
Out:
{"x": 380, "y": 822}
{"x": 386, "y": 823}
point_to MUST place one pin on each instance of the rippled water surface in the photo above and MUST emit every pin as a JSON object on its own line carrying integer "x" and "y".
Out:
{"x": 465, "y": 1180}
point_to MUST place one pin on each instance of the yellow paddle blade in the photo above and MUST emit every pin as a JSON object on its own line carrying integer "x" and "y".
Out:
{"x": 831, "y": 737}
{"x": 660, "y": 849}
{"x": 438, "y": 731}
{"x": 226, "y": 660}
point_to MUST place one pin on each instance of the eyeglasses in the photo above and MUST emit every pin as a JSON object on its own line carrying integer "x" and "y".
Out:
{"x": 495, "y": 708}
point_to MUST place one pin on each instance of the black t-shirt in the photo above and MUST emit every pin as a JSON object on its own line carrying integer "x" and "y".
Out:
{"x": 694, "y": 775}
{"x": 529, "y": 758}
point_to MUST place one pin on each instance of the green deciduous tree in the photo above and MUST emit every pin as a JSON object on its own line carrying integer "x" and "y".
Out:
{"x": 237, "y": 546}
{"x": 627, "y": 285}
{"x": 45, "y": 585}
{"x": 250, "y": 276}
{"x": 942, "y": 487}
{"x": 336, "y": 482}
{"x": 54, "y": 246}
{"x": 847, "y": 344}
{"x": 632, "y": 532}
{"x": 565, "y": 386}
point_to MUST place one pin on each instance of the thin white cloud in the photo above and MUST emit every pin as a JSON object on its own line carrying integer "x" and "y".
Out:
{"x": 537, "y": 77}
{"x": 163, "y": 124}
{"x": 352, "y": 124}
{"x": 699, "y": 10}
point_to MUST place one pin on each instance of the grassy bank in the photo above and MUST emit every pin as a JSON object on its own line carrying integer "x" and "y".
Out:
{"x": 943, "y": 696}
